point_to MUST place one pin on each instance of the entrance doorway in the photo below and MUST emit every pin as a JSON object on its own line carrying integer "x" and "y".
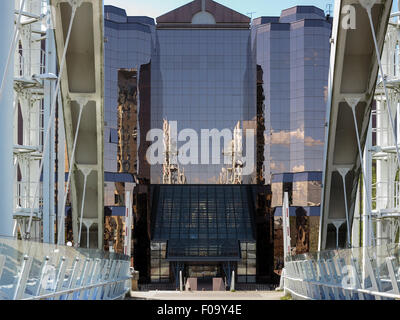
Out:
{"x": 204, "y": 273}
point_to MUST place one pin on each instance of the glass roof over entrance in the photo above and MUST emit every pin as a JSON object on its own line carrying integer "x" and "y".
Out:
{"x": 202, "y": 222}
{"x": 203, "y": 250}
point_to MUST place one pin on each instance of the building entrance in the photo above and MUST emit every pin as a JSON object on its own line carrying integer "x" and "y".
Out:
{"x": 204, "y": 273}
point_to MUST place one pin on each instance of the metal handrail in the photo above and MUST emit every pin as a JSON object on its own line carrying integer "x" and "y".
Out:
{"x": 370, "y": 292}
{"x": 79, "y": 289}
{"x": 373, "y": 272}
{"x": 35, "y": 271}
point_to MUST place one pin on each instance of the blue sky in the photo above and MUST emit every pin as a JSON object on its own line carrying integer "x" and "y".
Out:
{"x": 155, "y": 8}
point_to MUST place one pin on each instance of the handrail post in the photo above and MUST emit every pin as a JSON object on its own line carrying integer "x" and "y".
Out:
{"x": 94, "y": 277}
{"x": 72, "y": 283}
{"x": 2, "y": 263}
{"x": 42, "y": 275}
{"x": 103, "y": 278}
{"x": 23, "y": 277}
{"x": 392, "y": 275}
{"x": 109, "y": 278}
{"x": 61, "y": 275}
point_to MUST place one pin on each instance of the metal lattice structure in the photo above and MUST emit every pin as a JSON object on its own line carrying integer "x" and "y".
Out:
{"x": 34, "y": 76}
{"x": 42, "y": 270}
{"x": 360, "y": 138}
{"x": 380, "y": 151}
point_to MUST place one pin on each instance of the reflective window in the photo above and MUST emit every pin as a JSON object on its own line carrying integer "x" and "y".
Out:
{"x": 159, "y": 266}
{"x": 203, "y": 79}
{"x": 295, "y": 64}
{"x": 246, "y": 268}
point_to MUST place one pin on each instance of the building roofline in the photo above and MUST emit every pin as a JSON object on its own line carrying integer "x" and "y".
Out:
{"x": 300, "y": 6}
{"x": 184, "y": 14}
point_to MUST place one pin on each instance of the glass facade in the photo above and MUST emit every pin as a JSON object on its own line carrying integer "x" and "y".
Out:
{"x": 203, "y": 79}
{"x": 127, "y": 51}
{"x": 247, "y": 267}
{"x": 293, "y": 51}
{"x": 127, "y": 47}
{"x": 270, "y": 77}
{"x": 304, "y": 189}
{"x": 160, "y": 269}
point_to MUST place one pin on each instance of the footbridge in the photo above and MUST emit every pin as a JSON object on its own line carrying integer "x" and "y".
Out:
{"x": 346, "y": 268}
{"x": 354, "y": 68}
{"x": 72, "y": 98}
{"x": 80, "y": 49}
{"x": 39, "y": 271}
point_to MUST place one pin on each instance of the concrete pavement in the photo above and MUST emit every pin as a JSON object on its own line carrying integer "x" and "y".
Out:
{"x": 206, "y": 295}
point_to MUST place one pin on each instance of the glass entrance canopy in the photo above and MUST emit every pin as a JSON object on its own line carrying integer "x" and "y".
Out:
{"x": 203, "y": 250}
{"x": 202, "y": 222}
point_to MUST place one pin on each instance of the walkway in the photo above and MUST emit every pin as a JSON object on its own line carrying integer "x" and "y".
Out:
{"x": 206, "y": 295}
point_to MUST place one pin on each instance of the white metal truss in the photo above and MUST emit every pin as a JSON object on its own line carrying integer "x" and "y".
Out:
{"x": 33, "y": 132}
{"x": 34, "y": 75}
{"x": 382, "y": 155}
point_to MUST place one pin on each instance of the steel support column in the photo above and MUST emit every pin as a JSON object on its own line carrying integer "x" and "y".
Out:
{"x": 49, "y": 156}
{"x": 6, "y": 123}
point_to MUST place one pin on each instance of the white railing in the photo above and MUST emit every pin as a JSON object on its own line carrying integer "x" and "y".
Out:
{"x": 388, "y": 199}
{"x": 348, "y": 274}
{"x": 23, "y": 200}
{"x": 39, "y": 271}
{"x": 30, "y": 61}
